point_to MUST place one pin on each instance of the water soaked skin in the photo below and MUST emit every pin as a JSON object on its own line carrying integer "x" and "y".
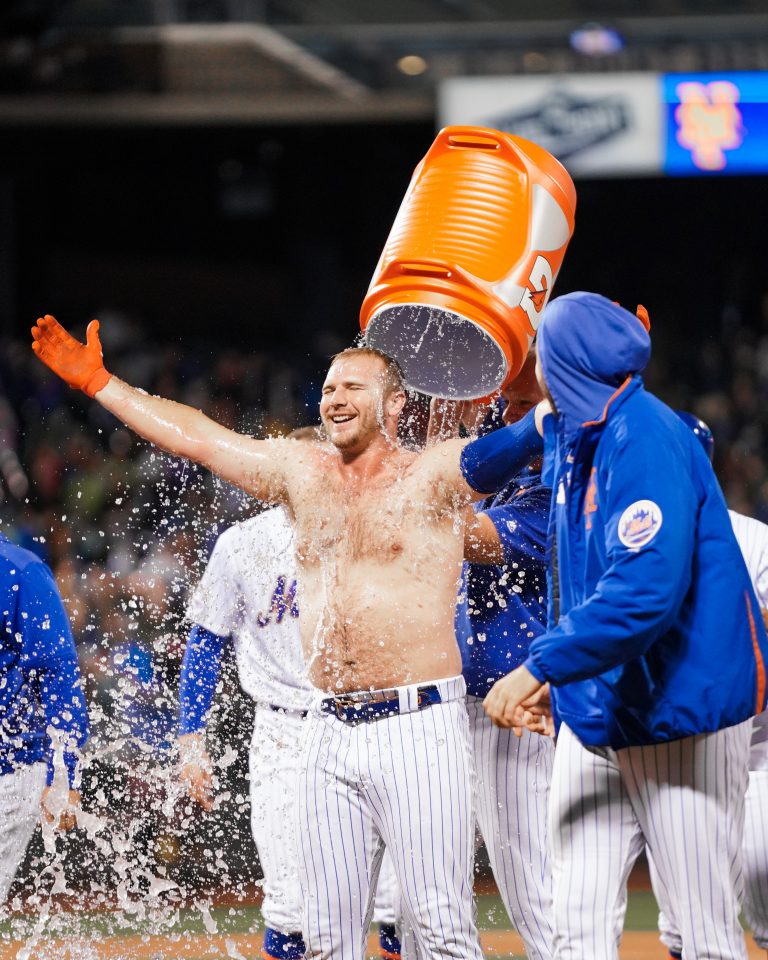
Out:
{"x": 379, "y": 529}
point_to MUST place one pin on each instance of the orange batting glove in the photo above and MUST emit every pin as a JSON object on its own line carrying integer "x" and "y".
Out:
{"x": 80, "y": 365}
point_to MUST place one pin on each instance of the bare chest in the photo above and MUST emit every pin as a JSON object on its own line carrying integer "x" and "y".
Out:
{"x": 380, "y": 522}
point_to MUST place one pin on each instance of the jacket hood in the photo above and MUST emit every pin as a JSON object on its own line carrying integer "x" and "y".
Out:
{"x": 587, "y": 347}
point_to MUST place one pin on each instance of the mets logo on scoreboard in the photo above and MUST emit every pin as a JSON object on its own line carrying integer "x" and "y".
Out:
{"x": 639, "y": 524}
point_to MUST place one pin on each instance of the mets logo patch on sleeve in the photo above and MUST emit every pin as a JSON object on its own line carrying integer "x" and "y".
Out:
{"x": 639, "y": 524}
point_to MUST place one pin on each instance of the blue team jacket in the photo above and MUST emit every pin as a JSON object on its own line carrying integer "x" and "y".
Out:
{"x": 655, "y": 632}
{"x": 40, "y": 684}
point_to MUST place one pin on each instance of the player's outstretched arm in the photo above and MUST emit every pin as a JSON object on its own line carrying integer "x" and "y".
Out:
{"x": 255, "y": 465}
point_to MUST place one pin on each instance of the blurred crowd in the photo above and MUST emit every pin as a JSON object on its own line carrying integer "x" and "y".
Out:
{"x": 127, "y": 531}
{"x": 720, "y": 373}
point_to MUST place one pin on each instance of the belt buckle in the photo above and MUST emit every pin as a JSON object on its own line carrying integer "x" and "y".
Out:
{"x": 342, "y": 704}
{"x": 427, "y": 696}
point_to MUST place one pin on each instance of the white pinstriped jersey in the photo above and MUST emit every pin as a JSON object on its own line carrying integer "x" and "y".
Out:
{"x": 752, "y": 536}
{"x": 248, "y": 592}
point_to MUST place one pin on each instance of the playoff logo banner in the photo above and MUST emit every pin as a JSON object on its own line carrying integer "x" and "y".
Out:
{"x": 607, "y": 124}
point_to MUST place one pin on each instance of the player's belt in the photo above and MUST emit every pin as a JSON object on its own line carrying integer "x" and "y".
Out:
{"x": 365, "y": 707}
{"x": 296, "y": 713}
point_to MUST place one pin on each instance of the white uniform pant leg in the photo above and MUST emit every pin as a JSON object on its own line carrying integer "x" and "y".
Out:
{"x": 689, "y": 798}
{"x": 420, "y": 789}
{"x": 340, "y": 849}
{"x": 386, "y": 905}
{"x": 755, "y": 851}
{"x": 273, "y": 762}
{"x": 669, "y": 928}
{"x": 595, "y": 840}
{"x": 20, "y": 794}
{"x": 513, "y": 775}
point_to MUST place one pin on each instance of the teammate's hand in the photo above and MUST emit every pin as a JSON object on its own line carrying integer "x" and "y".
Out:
{"x": 67, "y": 817}
{"x": 508, "y": 697}
{"x": 196, "y": 770}
{"x": 79, "y": 364}
{"x": 537, "y": 713}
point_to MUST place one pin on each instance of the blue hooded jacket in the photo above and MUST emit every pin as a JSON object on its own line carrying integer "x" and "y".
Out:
{"x": 655, "y": 632}
{"x": 40, "y": 682}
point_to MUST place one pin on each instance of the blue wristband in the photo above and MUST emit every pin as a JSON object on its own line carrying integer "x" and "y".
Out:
{"x": 199, "y": 675}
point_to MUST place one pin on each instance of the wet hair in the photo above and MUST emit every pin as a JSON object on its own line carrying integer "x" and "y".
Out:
{"x": 395, "y": 379}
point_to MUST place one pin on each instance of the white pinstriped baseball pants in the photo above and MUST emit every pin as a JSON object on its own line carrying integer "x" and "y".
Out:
{"x": 405, "y": 782}
{"x": 512, "y": 798}
{"x": 755, "y": 859}
{"x": 685, "y": 799}
{"x": 20, "y": 794}
{"x": 755, "y": 851}
{"x": 275, "y": 759}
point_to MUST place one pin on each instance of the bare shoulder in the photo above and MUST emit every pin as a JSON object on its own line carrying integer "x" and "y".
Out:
{"x": 305, "y": 462}
{"x": 439, "y": 467}
{"x": 268, "y": 468}
{"x": 441, "y": 459}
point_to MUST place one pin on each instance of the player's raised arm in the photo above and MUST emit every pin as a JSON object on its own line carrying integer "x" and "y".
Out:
{"x": 258, "y": 466}
{"x": 483, "y": 466}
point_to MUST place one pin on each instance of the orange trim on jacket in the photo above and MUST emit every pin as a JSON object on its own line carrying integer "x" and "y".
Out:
{"x": 759, "y": 663}
{"x": 613, "y": 396}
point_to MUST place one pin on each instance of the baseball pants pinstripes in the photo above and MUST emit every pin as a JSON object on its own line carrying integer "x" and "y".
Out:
{"x": 273, "y": 761}
{"x": 685, "y": 799}
{"x": 511, "y": 797}
{"x": 754, "y": 852}
{"x": 274, "y": 764}
{"x": 403, "y": 781}
{"x": 20, "y": 794}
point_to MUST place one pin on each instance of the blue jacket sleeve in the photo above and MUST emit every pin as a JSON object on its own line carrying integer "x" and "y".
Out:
{"x": 199, "y": 675}
{"x": 50, "y": 651}
{"x": 490, "y": 462}
{"x": 638, "y": 594}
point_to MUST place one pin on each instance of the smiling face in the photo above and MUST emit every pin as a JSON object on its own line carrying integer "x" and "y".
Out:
{"x": 358, "y": 402}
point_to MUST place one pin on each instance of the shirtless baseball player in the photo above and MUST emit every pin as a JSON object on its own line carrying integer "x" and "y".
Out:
{"x": 387, "y": 757}
{"x": 249, "y": 593}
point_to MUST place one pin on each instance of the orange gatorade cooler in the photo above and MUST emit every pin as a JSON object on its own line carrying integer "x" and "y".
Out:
{"x": 470, "y": 262}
